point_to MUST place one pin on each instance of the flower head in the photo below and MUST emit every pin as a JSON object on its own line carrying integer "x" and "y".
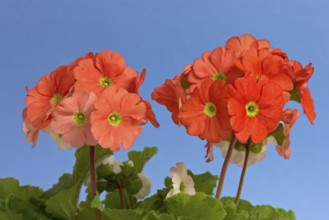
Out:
{"x": 182, "y": 182}
{"x": 117, "y": 118}
{"x": 42, "y": 99}
{"x": 71, "y": 119}
{"x": 205, "y": 113}
{"x": 102, "y": 71}
{"x": 255, "y": 108}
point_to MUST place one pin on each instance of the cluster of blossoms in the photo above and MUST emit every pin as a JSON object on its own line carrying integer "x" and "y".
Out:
{"x": 94, "y": 99}
{"x": 239, "y": 91}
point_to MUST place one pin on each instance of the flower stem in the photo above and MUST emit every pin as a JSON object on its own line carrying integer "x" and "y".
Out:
{"x": 122, "y": 202}
{"x": 243, "y": 173}
{"x": 224, "y": 167}
{"x": 93, "y": 178}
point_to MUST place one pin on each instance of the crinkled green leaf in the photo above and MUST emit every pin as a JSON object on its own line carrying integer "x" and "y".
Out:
{"x": 64, "y": 182}
{"x": 205, "y": 182}
{"x": 63, "y": 205}
{"x": 154, "y": 216}
{"x": 120, "y": 214}
{"x": 28, "y": 210}
{"x": 10, "y": 215}
{"x": 153, "y": 203}
{"x": 140, "y": 158}
{"x": 89, "y": 214}
{"x": 246, "y": 211}
{"x": 200, "y": 206}
{"x": 8, "y": 186}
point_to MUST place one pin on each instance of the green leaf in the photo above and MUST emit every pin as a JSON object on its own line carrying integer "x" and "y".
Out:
{"x": 279, "y": 134}
{"x": 153, "y": 203}
{"x": 96, "y": 203}
{"x": 28, "y": 210}
{"x": 153, "y": 216}
{"x": 89, "y": 213}
{"x": 200, "y": 206}
{"x": 64, "y": 182}
{"x": 10, "y": 215}
{"x": 140, "y": 158}
{"x": 63, "y": 205}
{"x": 205, "y": 182}
{"x": 112, "y": 200}
{"x": 120, "y": 214}
{"x": 246, "y": 211}
{"x": 8, "y": 186}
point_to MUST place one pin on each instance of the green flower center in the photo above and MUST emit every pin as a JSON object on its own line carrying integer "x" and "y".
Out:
{"x": 182, "y": 187}
{"x": 114, "y": 119}
{"x": 55, "y": 99}
{"x": 79, "y": 118}
{"x": 209, "y": 109}
{"x": 252, "y": 109}
{"x": 219, "y": 76}
{"x": 105, "y": 82}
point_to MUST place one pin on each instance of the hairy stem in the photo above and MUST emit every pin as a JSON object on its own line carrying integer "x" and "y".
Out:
{"x": 224, "y": 167}
{"x": 243, "y": 173}
{"x": 93, "y": 177}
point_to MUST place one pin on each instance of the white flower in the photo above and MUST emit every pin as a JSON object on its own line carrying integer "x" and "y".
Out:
{"x": 146, "y": 187}
{"x": 182, "y": 182}
{"x": 115, "y": 163}
{"x": 58, "y": 140}
{"x": 238, "y": 156}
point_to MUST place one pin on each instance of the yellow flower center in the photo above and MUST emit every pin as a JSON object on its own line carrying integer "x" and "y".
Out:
{"x": 219, "y": 76}
{"x": 210, "y": 109}
{"x": 55, "y": 99}
{"x": 114, "y": 119}
{"x": 105, "y": 82}
{"x": 252, "y": 109}
{"x": 79, "y": 118}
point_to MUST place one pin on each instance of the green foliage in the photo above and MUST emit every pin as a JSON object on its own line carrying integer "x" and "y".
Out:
{"x": 154, "y": 216}
{"x": 200, "y": 206}
{"x": 205, "y": 182}
{"x": 140, "y": 158}
{"x": 294, "y": 96}
{"x": 246, "y": 211}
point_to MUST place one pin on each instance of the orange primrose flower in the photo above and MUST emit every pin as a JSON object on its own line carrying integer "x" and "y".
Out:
{"x": 205, "y": 113}
{"x": 103, "y": 70}
{"x": 42, "y": 99}
{"x": 117, "y": 118}
{"x": 255, "y": 107}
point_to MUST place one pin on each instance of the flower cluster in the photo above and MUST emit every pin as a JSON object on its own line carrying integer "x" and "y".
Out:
{"x": 94, "y": 99}
{"x": 239, "y": 91}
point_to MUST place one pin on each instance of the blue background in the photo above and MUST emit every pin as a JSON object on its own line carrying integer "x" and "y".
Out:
{"x": 37, "y": 36}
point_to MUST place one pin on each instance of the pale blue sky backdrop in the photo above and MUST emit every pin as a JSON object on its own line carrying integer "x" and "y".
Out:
{"x": 36, "y": 36}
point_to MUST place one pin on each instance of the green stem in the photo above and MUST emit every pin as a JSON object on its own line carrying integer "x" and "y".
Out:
{"x": 224, "y": 167}
{"x": 93, "y": 177}
{"x": 243, "y": 173}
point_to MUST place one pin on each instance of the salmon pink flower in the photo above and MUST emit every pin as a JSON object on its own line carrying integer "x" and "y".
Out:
{"x": 255, "y": 108}
{"x": 104, "y": 70}
{"x": 117, "y": 118}
{"x": 42, "y": 99}
{"x": 205, "y": 113}
{"x": 171, "y": 94}
{"x": 289, "y": 119}
{"x": 71, "y": 119}
{"x": 301, "y": 78}
{"x": 274, "y": 67}
{"x": 242, "y": 44}
{"x": 217, "y": 65}
{"x": 31, "y": 132}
